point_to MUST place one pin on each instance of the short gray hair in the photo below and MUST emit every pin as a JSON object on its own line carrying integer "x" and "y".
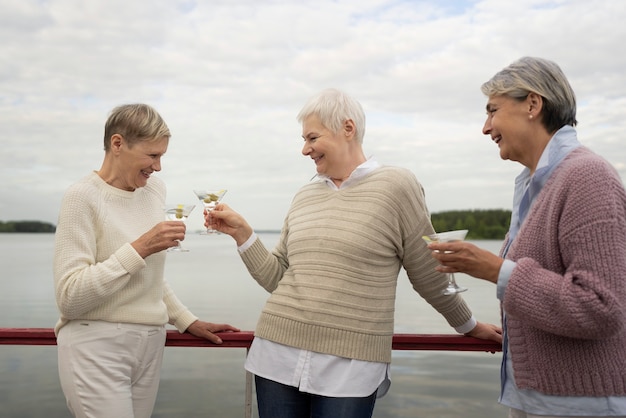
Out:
{"x": 135, "y": 122}
{"x": 333, "y": 107}
{"x": 542, "y": 77}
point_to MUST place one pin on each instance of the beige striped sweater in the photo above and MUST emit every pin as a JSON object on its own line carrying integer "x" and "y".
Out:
{"x": 333, "y": 274}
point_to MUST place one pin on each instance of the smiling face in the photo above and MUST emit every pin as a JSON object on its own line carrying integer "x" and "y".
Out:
{"x": 508, "y": 125}
{"x": 330, "y": 151}
{"x": 134, "y": 164}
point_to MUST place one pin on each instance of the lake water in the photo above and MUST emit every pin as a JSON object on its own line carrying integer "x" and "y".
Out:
{"x": 199, "y": 382}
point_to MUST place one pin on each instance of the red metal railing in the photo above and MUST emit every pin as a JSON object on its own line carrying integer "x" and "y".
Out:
{"x": 45, "y": 336}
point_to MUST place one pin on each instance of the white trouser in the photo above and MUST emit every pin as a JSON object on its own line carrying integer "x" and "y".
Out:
{"x": 110, "y": 370}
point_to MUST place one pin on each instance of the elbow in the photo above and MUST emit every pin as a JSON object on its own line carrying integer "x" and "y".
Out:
{"x": 69, "y": 307}
{"x": 69, "y": 310}
{"x": 605, "y": 324}
{"x": 611, "y": 317}
{"x": 615, "y": 324}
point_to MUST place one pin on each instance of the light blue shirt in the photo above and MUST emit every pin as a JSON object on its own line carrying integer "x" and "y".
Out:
{"x": 527, "y": 188}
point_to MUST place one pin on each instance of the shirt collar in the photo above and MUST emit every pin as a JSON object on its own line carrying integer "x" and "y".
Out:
{"x": 563, "y": 141}
{"x": 527, "y": 187}
{"x": 361, "y": 171}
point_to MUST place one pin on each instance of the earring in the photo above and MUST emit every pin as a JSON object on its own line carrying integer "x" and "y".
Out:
{"x": 530, "y": 116}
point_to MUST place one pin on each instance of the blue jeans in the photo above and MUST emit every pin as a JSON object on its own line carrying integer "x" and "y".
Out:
{"x": 276, "y": 400}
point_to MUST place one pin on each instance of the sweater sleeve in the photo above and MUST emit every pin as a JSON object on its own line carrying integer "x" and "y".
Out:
{"x": 178, "y": 314}
{"x": 417, "y": 259}
{"x": 266, "y": 267}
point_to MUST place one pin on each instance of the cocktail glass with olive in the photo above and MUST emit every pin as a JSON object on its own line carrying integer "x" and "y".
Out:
{"x": 210, "y": 198}
{"x": 177, "y": 212}
{"x": 450, "y": 236}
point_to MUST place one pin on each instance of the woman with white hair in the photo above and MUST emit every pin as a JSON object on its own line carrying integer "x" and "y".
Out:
{"x": 322, "y": 346}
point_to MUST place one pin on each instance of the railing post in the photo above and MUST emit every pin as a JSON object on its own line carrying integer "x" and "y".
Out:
{"x": 248, "y": 405}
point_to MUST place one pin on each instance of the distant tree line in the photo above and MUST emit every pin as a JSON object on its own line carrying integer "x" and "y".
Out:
{"x": 481, "y": 224}
{"x": 26, "y": 226}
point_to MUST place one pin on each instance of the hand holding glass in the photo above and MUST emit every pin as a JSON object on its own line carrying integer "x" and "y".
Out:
{"x": 450, "y": 236}
{"x": 178, "y": 213}
{"x": 210, "y": 198}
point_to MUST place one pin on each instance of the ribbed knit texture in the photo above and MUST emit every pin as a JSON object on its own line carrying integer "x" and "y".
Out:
{"x": 334, "y": 272}
{"x": 97, "y": 273}
{"x": 566, "y": 299}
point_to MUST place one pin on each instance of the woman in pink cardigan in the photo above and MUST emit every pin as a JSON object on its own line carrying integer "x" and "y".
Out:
{"x": 561, "y": 273}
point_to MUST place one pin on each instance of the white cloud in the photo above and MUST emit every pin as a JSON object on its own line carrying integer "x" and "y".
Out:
{"x": 230, "y": 77}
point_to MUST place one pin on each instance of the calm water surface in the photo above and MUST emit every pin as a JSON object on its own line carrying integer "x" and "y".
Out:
{"x": 198, "y": 382}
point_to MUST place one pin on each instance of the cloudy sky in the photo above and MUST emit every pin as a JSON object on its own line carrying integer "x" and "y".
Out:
{"x": 229, "y": 77}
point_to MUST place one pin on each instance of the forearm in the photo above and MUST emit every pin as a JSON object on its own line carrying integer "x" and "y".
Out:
{"x": 179, "y": 315}
{"x": 263, "y": 265}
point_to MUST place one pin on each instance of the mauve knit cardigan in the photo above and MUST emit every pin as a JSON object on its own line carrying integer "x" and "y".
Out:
{"x": 566, "y": 298}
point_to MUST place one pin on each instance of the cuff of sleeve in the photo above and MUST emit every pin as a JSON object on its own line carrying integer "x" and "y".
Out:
{"x": 183, "y": 322}
{"x": 129, "y": 258}
{"x": 243, "y": 247}
{"x": 466, "y": 327}
{"x": 506, "y": 269}
{"x": 255, "y": 255}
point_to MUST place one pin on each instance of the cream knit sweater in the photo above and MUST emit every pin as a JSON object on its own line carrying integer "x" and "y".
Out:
{"x": 97, "y": 273}
{"x": 333, "y": 273}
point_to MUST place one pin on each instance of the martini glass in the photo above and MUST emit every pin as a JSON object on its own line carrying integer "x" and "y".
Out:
{"x": 210, "y": 198}
{"x": 177, "y": 213}
{"x": 450, "y": 236}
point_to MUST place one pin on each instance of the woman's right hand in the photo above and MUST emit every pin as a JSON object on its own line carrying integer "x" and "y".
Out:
{"x": 465, "y": 257}
{"x": 160, "y": 237}
{"x": 226, "y": 220}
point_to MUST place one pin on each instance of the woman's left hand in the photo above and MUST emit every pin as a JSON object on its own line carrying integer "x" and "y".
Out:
{"x": 206, "y": 330}
{"x": 486, "y": 332}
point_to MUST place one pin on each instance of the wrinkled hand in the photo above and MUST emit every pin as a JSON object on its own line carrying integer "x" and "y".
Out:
{"x": 162, "y": 236}
{"x": 226, "y": 220}
{"x": 465, "y": 257}
{"x": 486, "y": 332}
{"x": 206, "y": 330}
